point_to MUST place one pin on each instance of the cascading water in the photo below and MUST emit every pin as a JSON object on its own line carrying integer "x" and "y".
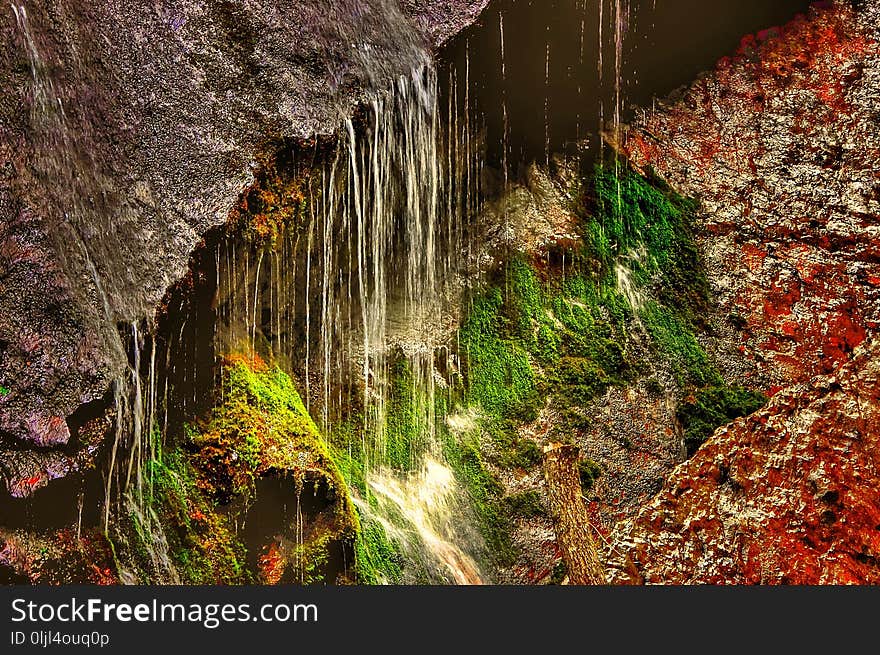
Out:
{"x": 625, "y": 278}
{"x": 83, "y": 235}
{"x": 83, "y": 232}
{"x": 367, "y": 284}
{"x": 405, "y": 236}
{"x": 363, "y": 286}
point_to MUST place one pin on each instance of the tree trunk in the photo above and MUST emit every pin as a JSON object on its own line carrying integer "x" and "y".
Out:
{"x": 570, "y": 515}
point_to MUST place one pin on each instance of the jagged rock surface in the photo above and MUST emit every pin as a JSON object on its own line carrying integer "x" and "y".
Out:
{"x": 780, "y": 144}
{"x": 127, "y": 131}
{"x": 785, "y": 496}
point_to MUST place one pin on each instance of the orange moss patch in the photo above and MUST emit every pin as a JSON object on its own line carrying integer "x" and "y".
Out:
{"x": 275, "y": 200}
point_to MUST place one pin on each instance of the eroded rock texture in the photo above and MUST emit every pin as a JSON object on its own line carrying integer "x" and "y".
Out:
{"x": 780, "y": 144}
{"x": 785, "y": 496}
{"x": 127, "y": 130}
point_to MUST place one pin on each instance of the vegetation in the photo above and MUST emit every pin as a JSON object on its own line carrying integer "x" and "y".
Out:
{"x": 202, "y": 543}
{"x": 196, "y": 488}
{"x": 712, "y": 408}
{"x": 500, "y": 376}
{"x": 377, "y": 558}
{"x": 261, "y": 426}
{"x": 532, "y": 335}
{"x": 403, "y": 437}
{"x": 464, "y": 455}
{"x": 527, "y": 504}
{"x": 275, "y": 200}
{"x": 560, "y": 572}
{"x": 589, "y": 472}
{"x": 677, "y": 343}
{"x": 642, "y": 222}
{"x": 531, "y": 338}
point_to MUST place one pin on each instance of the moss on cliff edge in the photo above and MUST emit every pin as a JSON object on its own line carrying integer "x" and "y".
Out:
{"x": 630, "y": 299}
{"x": 260, "y": 426}
{"x": 205, "y": 484}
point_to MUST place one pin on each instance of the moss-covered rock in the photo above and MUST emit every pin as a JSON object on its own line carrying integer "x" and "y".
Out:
{"x": 544, "y": 338}
{"x": 710, "y": 408}
{"x": 205, "y": 485}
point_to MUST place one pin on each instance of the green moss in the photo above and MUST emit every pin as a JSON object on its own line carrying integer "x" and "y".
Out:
{"x": 259, "y": 427}
{"x": 499, "y": 373}
{"x": 262, "y": 425}
{"x": 522, "y": 342}
{"x": 377, "y": 559}
{"x": 642, "y": 222}
{"x": 578, "y": 380}
{"x": 528, "y": 504}
{"x": 526, "y": 313}
{"x": 4, "y": 391}
{"x": 532, "y": 335}
{"x": 589, "y": 471}
{"x": 201, "y": 541}
{"x": 712, "y": 408}
{"x": 678, "y": 344}
{"x": 524, "y": 454}
{"x": 404, "y": 430}
{"x": 485, "y": 492}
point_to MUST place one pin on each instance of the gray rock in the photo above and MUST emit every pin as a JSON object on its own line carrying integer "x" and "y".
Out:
{"x": 127, "y": 131}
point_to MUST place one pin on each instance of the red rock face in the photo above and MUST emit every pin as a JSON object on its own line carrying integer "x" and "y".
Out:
{"x": 780, "y": 144}
{"x": 785, "y": 496}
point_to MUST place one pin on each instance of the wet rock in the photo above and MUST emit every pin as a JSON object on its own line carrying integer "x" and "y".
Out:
{"x": 779, "y": 143}
{"x": 536, "y": 215}
{"x": 128, "y": 131}
{"x": 64, "y": 557}
{"x": 785, "y": 496}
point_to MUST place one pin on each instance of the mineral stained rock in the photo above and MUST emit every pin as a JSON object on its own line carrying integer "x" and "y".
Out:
{"x": 780, "y": 144}
{"x": 127, "y": 130}
{"x": 785, "y": 496}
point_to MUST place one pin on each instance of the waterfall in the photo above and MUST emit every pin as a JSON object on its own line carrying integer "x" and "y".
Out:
{"x": 138, "y": 437}
{"x": 391, "y": 199}
{"x": 625, "y": 278}
{"x": 366, "y": 282}
{"x": 370, "y": 281}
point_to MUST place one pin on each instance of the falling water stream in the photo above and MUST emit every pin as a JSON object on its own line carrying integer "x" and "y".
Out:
{"x": 381, "y": 258}
{"x": 406, "y": 237}
{"x": 370, "y": 282}
{"x": 83, "y": 234}
{"x": 374, "y": 275}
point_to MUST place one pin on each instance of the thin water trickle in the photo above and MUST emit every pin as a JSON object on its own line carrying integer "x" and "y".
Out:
{"x": 86, "y": 239}
{"x": 380, "y": 258}
{"x": 652, "y": 47}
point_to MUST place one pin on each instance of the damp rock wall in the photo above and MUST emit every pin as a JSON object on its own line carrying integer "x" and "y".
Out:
{"x": 780, "y": 145}
{"x": 127, "y": 131}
